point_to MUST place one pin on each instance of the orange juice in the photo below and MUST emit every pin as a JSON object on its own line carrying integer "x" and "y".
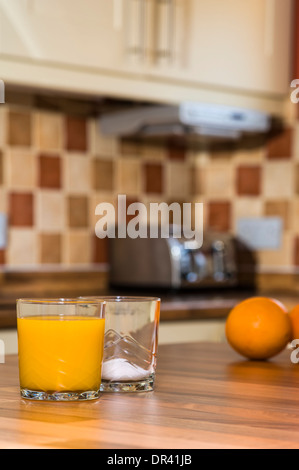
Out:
{"x": 60, "y": 354}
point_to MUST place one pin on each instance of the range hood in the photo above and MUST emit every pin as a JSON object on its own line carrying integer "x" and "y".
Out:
{"x": 188, "y": 120}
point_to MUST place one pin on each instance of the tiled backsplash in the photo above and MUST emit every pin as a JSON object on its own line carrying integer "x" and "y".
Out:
{"x": 55, "y": 167}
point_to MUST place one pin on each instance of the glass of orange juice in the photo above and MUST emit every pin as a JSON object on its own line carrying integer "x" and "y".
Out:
{"x": 60, "y": 348}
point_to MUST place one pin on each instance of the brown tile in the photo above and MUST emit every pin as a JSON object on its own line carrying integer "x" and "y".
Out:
{"x": 219, "y": 216}
{"x": 103, "y": 174}
{"x": 100, "y": 250}
{"x": 278, "y": 209}
{"x": 21, "y": 209}
{"x": 78, "y": 211}
{"x": 296, "y": 251}
{"x": 50, "y": 248}
{"x": 49, "y": 172}
{"x": 76, "y": 134}
{"x": 1, "y": 168}
{"x": 153, "y": 178}
{"x": 281, "y": 145}
{"x": 2, "y": 257}
{"x": 249, "y": 180}
{"x": 19, "y": 128}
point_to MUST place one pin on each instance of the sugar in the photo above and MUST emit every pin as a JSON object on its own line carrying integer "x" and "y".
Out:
{"x": 120, "y": 369}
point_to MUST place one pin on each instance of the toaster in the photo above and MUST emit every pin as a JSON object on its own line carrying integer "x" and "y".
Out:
{"x": 180, "y": 263}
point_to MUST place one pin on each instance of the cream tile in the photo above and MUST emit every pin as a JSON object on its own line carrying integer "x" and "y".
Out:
{"x": 22, "y": 248}
{"x": 296, "y": 142}
{"x": 178, "y": 180}
{"x": 247, "y": 207}
{"x": 129, "y": 176}
{"x": 49, "y": 131}
{"x": 250, "y": 157}
{"x": 21, "y": 169}
{"x": 3, "y": 121}
{"x": 99, "y": 144}
{"x": 77, "y": 175}
{"x": 295, "y": 215}
{"x": 218, "y": 181}
{"x": 278, "y": 180}
{"x": 278, "y": 258}
{"x": 3, "y": 200}
{"x": 78, "y": 248}
{"x": 51, "y": 211}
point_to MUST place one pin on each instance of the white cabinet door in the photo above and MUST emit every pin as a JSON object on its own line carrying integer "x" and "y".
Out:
{"x": 239, "y": 44}
{"x": 81, "y": 33}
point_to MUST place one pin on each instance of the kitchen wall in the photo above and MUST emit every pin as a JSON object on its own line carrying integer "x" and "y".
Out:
{"x": 55, "y": 167}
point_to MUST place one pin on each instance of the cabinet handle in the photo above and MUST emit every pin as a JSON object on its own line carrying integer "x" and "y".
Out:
{"x": 165, "y": 30}
{"x": 270, "y": 10}
{"x": 135, "y": 28}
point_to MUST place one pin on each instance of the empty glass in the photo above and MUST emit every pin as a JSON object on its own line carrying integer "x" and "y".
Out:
{"x": 130, "y": 345}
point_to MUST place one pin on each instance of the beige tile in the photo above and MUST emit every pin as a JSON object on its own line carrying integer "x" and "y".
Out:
{"x": 78, "y": 248}
{"x": 247, "y": 207}
{"x": 153, "y": 153}
{"x": 218, "y": 181}
{"x": 3, "y": 200}
{"x": 178, "y": 180}
{"x": 129, "y": 176}
{"x": 295, "y": 215}
{"x": 296, "y": 142}
{"x": 99, "y": 144}
{"x": 51, "y": 211}
{"x": 21, "y": 169}
{"x": 278, "y": 180}
{"x": 250, "y": 157}
{"x": 278, "y": 258}
{"x": 2, "y": 124}
{"x": 78, "y": 175}
{"x": 49, "y": 131}
{"x": 22, "y": 248}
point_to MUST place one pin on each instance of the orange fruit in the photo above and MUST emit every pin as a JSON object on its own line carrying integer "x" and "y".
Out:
{"x": 258, "y": 328}
{"x": 294, "y": 317}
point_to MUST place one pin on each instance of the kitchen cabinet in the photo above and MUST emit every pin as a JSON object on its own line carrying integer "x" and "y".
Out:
{"x": 234, "y": 44}
{"x": 231, "y": 52}
{"x": 70, "y": 33}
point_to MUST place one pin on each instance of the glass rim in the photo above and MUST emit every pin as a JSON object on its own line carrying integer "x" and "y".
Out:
{"x": 60, "y": 301}
{"x": 124, "y": 298}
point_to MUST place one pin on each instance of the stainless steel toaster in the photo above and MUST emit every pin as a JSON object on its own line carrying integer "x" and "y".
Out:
{"x": 179, "y": 262}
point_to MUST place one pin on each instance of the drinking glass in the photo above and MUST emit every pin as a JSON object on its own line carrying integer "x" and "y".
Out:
{"x": 130, "y": 345}
{"x": 60, "y": 346}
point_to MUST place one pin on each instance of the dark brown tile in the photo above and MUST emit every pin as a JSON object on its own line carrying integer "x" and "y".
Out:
{"x": 278, "y": 209}
{"x": 76, "y": 134}
{"x": 78, "y": 211}
{"x": 249, "y": 180}
{"x": 103, "y": 174}
{"x": 50, "y": 248}
{"x": 100, "y": 250}
{"x": 21, "y": 209}
{"x": 2, "y": 257}
{"x": 219, "y": 216}
{"x": 50, "y": 172}
{"x": 176, "y": 151}
{"x": 153, "y": 178}
{"x": 19, "y": 130}
{"x": 296, "y": 251}
{"x": 281, "y": 145}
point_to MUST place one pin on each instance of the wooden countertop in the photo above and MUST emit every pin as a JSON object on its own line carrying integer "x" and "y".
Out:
{"x": 206, "y": 397}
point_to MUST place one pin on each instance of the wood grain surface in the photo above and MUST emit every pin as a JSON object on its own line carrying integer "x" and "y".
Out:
{"x": 206, "y": 397}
